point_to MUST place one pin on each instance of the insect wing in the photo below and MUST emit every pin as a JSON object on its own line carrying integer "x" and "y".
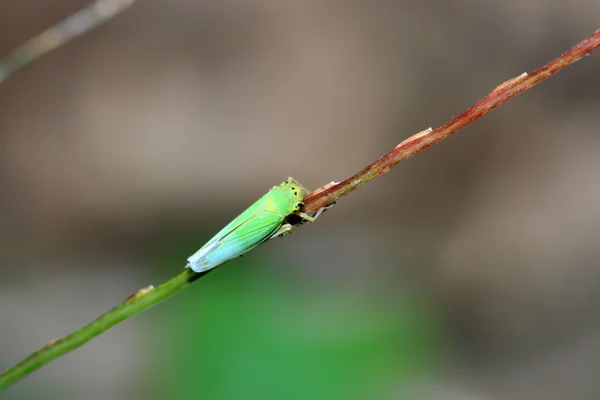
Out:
{"x": 251, "y": 233}
{"x": 238, "y": 221}
{"x": 239, "y": 239}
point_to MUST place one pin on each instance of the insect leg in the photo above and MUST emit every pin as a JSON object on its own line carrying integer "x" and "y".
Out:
{"x": 283, "y": 230}
{"x": 308, "y": 218}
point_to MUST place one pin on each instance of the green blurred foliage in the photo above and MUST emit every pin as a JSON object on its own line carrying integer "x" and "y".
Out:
{"x": 240, "y": 333}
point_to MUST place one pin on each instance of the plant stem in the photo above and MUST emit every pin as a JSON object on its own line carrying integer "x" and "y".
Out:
{"x": 141, "y": 300}
{"x": 422, "y": 140}
{"x": 146, "y": 298}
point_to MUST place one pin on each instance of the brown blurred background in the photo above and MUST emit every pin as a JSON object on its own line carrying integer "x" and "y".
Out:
{"x": 123, "y": 151}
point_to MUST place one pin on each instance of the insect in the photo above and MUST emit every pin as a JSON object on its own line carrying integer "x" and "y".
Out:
{"x": 263, "y": 220}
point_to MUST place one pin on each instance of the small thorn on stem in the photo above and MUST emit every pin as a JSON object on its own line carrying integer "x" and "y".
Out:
{"x": 51, "y": 342}
{"x": 139, "y": 293}
{"x": 510, "y": 83}
{"x": 415, "y": 136}
{"x": 324, "y": 187}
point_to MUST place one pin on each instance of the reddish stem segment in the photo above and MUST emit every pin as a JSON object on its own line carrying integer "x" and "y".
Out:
{"x": 423, "y": 140}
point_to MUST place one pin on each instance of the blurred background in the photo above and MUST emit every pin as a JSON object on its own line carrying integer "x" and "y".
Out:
{"x": 468, "y": 272}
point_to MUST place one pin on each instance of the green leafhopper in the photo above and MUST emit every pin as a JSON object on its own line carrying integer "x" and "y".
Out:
{"x": 261, "y": 221}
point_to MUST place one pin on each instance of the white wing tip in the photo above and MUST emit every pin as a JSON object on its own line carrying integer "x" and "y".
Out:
{"x": 197, "y": 261}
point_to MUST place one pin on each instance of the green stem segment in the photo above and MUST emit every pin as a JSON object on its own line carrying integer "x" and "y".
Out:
{"x": 136, "y": 303}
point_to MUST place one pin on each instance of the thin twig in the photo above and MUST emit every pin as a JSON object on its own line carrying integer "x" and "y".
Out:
{"x": 147, "y": 297}
{"x": 422, "y": 140}
{"x": 69, "y": 28}
{"x": 139, "y": 301}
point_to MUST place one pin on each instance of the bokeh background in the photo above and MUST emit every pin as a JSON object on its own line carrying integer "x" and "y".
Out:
{"x": 469, "y": 272}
